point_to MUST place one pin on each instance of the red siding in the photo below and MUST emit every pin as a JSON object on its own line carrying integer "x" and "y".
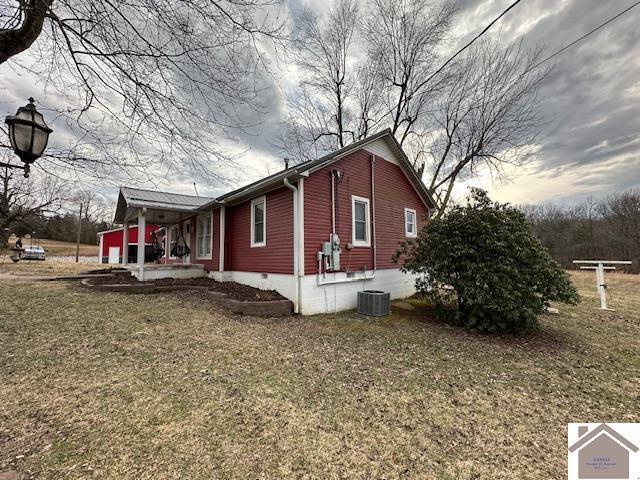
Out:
{"x": 114, "y": 239}
{"x": 393, "y": 193}
{"x": 277, "y": 255}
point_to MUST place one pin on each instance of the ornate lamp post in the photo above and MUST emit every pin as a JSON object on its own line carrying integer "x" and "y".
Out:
{"x": 28, "y": 134}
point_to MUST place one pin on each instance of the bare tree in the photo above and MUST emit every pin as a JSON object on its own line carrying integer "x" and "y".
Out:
{"x": 478, "y": 113}
{"x": 23, "y": 199}
{"x": 159, "y": 84}
{"x": 320, "y": 118}
{"x": 488, "y": 117}
{"x": 403, "y": 37}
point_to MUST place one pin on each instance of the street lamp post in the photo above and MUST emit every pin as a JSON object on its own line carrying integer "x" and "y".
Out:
{"x": 28, "y": 134}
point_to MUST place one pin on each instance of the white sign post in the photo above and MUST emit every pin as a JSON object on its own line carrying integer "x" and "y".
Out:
{"x": 599, "y": 267}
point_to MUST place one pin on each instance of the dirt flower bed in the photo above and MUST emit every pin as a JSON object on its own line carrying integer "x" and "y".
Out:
{"x": 235, "y": 291}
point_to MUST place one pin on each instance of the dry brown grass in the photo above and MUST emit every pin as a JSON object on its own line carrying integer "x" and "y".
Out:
{"x": 59, "y": 248}
{"x": 35, "y": 268}
{"x": 120, "y": 386}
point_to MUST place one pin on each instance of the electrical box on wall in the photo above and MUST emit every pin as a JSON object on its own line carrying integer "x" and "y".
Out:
{"x": 330, "y": 254}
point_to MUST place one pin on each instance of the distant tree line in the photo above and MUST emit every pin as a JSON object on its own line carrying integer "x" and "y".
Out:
{"x": 608, "y": 228}
{"x": 63, "y": 227}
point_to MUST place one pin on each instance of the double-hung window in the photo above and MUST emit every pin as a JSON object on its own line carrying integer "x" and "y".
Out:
{"x": 204, "y": 236}
{"x": 259, "y": 222}
{"x": 410, "y": 223}
{"x": 361, "y": 221}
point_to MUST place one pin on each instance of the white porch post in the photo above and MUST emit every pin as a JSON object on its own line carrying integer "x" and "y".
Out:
{"x": 125, "y": 244}
{"x": 100, "y": 249}
{"x": 142, "y": 228}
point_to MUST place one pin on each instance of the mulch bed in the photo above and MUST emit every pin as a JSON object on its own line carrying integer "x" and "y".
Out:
{"x": 233, "y": 290}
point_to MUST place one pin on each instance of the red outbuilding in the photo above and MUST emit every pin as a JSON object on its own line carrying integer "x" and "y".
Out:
{"x": 110, "y": 249}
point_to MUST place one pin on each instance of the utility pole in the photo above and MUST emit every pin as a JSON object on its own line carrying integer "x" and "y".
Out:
{"x": 78, "y": 235}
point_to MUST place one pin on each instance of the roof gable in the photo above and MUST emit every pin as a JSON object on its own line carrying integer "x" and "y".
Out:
{"x": 380, "y": 142}
{"x": 600, "y": 430}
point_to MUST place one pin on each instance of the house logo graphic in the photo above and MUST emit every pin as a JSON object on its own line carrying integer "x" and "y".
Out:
{"x": 598, "y": 451}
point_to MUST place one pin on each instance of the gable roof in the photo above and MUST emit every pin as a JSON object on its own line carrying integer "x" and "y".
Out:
{"x": 303, "y": 169}
{"x": 129, "y": 198}
{"x": 600, "y": 429}
{"x": 132, "y": 198}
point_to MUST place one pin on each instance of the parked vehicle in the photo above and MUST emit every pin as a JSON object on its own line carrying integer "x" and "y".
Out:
{"x": 33, "y": 252}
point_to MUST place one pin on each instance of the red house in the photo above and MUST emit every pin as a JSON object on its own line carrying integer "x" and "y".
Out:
{"x": 317, "y": 232}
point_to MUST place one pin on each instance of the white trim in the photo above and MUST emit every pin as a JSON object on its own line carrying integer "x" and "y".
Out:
{"x": 360, "y": 243}
{"x": 263, "y": 200}
{"x": 222, "y": 234}
{"x": 301, "y": 225}
{"x": 198, "y": 218}
{"x": 407, "y": 233}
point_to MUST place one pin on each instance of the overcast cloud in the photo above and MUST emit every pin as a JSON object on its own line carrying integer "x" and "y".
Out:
{"x": 590, "y": 144}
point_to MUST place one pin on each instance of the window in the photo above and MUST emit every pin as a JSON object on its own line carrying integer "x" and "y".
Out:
{"x": 410, "y": 226}
{"x": 361, "y": 221}
{"x": 172, "y": 239}
{"x": 204, "y": 236}
{"x": 259, "y": 222}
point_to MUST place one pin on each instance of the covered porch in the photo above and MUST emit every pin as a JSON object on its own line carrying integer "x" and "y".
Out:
{"x": 137, "y": 207}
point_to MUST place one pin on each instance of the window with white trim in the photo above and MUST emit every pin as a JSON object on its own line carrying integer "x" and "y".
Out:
{"x": 410, "y": 223}
{"x": 204, "y": 236}
{"x": 361, "y": 221}
{"x": 259, "y": 222}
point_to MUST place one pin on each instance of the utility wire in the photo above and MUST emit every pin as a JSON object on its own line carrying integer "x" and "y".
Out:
{"x": 467, "y": 45}
{"x": 584, "y": 36}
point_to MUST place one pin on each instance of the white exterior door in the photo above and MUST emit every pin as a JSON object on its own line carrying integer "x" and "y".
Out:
{"x": 114, "y": 254}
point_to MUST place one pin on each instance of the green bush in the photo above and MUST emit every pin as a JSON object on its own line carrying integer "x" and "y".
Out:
{"x": 483, "y": 268}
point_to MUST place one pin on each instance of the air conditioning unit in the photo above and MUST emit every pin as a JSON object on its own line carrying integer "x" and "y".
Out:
{"x": 374, "y": 303}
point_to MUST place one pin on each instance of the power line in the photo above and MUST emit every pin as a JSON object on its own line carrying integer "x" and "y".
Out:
{"x": 584, "y": 36}
{"x": 430, "y": 77}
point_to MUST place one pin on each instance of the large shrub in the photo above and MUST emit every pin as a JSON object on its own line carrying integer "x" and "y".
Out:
{"x": 483, "y": 268}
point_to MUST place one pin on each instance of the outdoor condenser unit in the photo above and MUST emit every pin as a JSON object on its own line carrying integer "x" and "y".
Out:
{"x": 374, "y": 303}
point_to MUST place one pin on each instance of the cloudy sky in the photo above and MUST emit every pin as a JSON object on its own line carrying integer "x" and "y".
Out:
{"x": 590, "y": 144}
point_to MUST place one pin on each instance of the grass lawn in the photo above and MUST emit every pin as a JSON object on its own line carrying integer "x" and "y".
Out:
{"x": 57, "y": 247}
{"x": 31, "y": 268}
{"x": 98, "y": 385}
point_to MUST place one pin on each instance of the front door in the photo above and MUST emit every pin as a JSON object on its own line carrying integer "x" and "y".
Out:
{"x": 187, "y": 241}
{"x": 114, "y": 255}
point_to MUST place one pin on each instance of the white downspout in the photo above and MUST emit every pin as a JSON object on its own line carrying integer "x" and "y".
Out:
{"x": 296, "y": 246}
{"x": 222, "y": 234}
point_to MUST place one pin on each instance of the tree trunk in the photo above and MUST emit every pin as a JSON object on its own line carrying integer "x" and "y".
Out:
{"x": 13, "y": 42}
